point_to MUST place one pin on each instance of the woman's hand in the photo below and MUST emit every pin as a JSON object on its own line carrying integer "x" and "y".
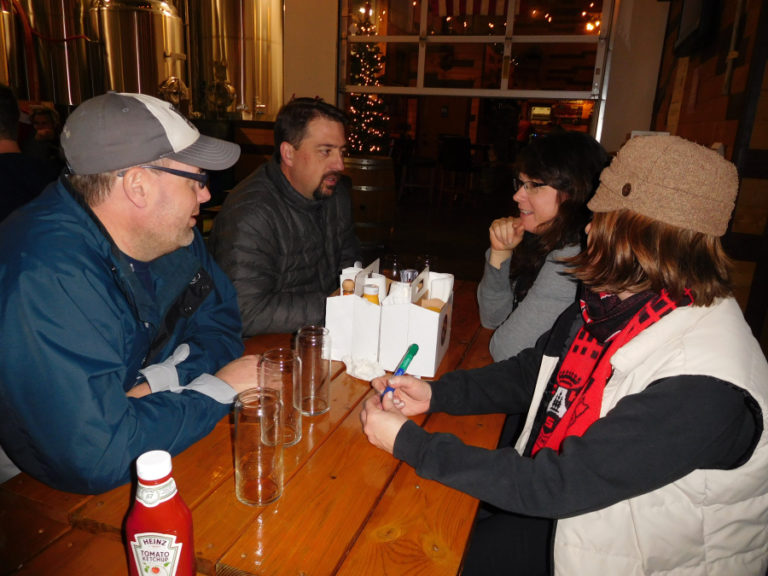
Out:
{"x": 411, "y": 395}
{"x": 382, "y": 421}
{"x": 505, "y": 234}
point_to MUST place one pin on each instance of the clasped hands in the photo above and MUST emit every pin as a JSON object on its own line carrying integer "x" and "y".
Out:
{"x": 239, "y": 374}
{"x": 382, "y": 417}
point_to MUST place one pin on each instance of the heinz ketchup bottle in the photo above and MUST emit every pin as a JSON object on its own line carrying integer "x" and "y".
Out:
{"x": 159, "y": 526}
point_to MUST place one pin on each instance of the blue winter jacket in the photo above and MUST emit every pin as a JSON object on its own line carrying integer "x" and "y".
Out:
{"x": 76, "y": 328}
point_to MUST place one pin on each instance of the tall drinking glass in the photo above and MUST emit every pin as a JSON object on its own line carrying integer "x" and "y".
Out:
{"x": 258, "y": 446}
{"x": 313, "y": 347}
{"x": 280, "y": 369}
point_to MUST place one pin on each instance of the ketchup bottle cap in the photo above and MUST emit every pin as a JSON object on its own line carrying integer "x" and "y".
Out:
{"x": 153, "y": 465}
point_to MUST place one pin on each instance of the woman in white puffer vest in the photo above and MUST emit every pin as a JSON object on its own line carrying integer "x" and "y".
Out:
{"x": 644, "y": 449}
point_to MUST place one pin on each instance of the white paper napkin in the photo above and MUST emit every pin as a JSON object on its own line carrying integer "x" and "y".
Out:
{"x": 440, "y": 285}
{"x": 362, "y": 368}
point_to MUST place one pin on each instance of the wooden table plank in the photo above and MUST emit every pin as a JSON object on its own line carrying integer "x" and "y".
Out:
{"x": 80, "y": 552}
{"x": 419, "y": 526}
{"x": 198, "y": 472}
{"x": 45, "y": 500}
{"x": 478, "y": 353}
{"x": 422, "y": 527}
{"x": 336, "y": 482}
{"x": 274, "y": 544}
{"x": 221, "y": 518}
{"x": 24, "y": 532}
{"x": 466, "y": 319}
{"x": 321, "y": 511}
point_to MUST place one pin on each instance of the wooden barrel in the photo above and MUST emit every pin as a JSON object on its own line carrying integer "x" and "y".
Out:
{"x": 374, "y": 196}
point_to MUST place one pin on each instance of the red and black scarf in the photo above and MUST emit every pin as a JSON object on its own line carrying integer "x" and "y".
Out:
{"x": 609, "y": 323}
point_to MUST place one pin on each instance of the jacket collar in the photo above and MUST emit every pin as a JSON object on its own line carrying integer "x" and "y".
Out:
{"x": 286, "y": 189}
{"x": 171, "y": 272}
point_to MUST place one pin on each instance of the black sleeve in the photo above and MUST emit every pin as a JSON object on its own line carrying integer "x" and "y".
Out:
{"x": 502, "y": 387}
{"x": 648, "y": 440}
{"x": 507, "y": 386}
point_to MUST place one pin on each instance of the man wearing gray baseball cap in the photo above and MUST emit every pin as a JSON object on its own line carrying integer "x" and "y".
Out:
{"x": 118, "y": 332}
{"x": 645, "y": 445}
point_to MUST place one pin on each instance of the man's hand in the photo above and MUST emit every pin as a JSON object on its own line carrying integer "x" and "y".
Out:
{"x": 139, "y": 391}
{"x": 242, "y": 373}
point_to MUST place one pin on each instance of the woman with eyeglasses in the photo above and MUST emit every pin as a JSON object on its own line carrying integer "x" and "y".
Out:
{"x": 523, "y": 289}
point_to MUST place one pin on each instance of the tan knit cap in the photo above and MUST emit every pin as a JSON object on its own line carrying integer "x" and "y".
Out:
{"x": 672, "y": 180}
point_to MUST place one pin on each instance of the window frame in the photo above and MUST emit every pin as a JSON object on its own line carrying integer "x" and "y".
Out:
{"x": 423, "y": 39}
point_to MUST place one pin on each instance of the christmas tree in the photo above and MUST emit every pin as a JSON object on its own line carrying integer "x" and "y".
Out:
{"x": 368, "y": 132}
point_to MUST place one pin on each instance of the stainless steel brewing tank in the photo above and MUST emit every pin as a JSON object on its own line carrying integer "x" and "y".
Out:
{"x": 8, "y": 46}
{"x": 56, "y": 68}
{"x": 141, "y": 47}
{"x": 236, "y": 50}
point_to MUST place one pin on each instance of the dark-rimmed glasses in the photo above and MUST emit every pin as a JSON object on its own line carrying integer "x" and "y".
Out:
{"x": 201, "y": 178}
{"x": 529, "y": 185}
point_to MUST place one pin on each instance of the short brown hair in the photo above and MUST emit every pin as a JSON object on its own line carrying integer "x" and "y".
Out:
{"x": 293, "y": 118}
{"x": 627, "y": 251}
{"x": 95, "y": 188}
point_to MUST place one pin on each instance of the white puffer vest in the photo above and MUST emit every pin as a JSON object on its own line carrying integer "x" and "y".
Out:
{"x": 711, "y": 522}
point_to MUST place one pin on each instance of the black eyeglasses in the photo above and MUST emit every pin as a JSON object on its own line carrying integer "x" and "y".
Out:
{"x": 202, "y": 178}
{"x": 529, "y": 185}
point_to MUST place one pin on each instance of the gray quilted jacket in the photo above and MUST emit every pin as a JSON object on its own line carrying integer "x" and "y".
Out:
{"x": 282, "y": 251}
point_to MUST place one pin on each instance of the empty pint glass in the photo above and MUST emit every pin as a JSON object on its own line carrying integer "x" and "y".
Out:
{"x": 280, "y": 369}
{"x": 258, "y": 446}
{"x": 313, "y": 347}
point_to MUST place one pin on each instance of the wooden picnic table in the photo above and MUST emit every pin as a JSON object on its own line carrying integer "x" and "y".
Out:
{"x": 347, "y": 508}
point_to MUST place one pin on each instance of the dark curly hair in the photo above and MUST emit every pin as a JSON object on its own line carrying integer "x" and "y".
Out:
{"x": 569, "y": 162}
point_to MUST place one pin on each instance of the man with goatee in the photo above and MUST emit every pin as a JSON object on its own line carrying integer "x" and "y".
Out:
{"x": 286, "y": 231}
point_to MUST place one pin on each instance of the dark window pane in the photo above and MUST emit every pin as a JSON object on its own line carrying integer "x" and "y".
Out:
{"x": 558, "y": 18}
{"x": 390, "y": 64}
{"x": 388, "y": 17}
{"x": 463, "y": 65}
{"x": 402, "y": 62}
{"x": 467, "y": 17}
{"x": 552, "y": 66}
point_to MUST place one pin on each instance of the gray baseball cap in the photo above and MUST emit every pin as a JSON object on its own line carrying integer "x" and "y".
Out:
{"x": 120, "y": 130}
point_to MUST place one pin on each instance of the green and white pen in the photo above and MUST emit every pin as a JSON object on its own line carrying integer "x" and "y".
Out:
{"x": 403, "y": 366}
